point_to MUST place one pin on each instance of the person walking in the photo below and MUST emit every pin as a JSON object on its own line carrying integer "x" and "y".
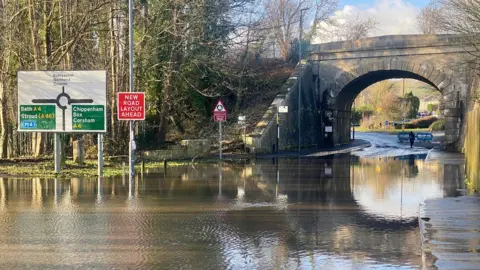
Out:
{"x": 412, "y": 138}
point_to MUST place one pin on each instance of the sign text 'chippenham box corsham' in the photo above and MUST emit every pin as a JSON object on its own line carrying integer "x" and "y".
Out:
{"x": 88, "y": 117}
{"x": 62, "y": 101}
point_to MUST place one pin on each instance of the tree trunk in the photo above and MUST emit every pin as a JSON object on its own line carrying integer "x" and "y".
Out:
{"x": 37, "y": 142}
{"x": 168, "y": 83}
{"x": 3, "y": 96}
{"x": 3, "y": 120}
{"x": 114, "y": 74}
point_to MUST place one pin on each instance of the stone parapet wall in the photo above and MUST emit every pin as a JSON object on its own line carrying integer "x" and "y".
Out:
{"x": 187, "y": 149}
{"x": 264, "y": 138}
{"x": 390, "y": 42}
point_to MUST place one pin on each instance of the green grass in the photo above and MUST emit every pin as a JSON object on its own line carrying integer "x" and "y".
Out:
{"x": 391, "y": 131}
{"x": 45, "y": 169}
{"x": 438, "y": 125}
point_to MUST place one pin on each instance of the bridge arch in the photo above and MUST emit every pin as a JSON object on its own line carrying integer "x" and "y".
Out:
{"x": 335, "y": 73}
{"x": 347, "y": 85}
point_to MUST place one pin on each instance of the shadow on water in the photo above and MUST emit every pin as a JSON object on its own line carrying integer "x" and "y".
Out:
{"x": 337, "y": 212}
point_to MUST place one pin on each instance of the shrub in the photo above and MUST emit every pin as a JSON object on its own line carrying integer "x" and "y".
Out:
{"x": 424, "y": 122}
{"x": 438, "y": 125}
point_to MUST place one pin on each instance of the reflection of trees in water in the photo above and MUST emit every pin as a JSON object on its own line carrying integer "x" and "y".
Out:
{"x": 325, "y": 180}
{"x": 379, "y": 174}
{"x": 320, "y": 215}
{"x": 327, "y": 220}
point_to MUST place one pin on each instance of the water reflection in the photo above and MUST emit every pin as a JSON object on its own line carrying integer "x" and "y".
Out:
{"x": 337, "y": 212}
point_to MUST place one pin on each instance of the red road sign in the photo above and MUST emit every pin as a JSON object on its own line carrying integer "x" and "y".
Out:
{"x": 220, "y": 112}
{"x": 131, "y": 106}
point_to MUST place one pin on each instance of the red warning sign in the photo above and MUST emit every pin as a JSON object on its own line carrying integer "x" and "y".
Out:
{"x": 131, "y": 106}
{"x": 220, "y": 112}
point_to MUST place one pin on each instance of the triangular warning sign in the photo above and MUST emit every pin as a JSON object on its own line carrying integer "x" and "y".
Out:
{"x": 220, "y": 107}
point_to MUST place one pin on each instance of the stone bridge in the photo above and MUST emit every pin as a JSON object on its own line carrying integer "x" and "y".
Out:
{"x": 335, "y": 73}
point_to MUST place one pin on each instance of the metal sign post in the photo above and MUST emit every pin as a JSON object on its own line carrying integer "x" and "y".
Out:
{"x": 281, "y": 109}
{"x": 58, "y": 153}
{"x": 242, "y": 121}
{"x": 100, "y": 154}
{"x": 278, "y": 132}
{"x": 220, "y": 115}
{"x": 131, "y": 150}
{"x": 220, "y": 139}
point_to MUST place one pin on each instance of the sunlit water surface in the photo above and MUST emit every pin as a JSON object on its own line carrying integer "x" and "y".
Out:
{"x": 339, "y": 212}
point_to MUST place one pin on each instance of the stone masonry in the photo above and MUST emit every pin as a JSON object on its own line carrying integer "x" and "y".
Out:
{"x": 335, "y": 73}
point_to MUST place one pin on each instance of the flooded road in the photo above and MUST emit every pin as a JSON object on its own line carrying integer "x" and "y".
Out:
{"x": 386, "y": 145}
{"x": 337, "y": 212}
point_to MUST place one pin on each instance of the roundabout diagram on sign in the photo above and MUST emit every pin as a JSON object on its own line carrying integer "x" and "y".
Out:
{"x": 62, "y": 100}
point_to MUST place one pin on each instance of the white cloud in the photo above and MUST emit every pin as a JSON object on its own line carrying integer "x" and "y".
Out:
{"x": 394, "y": 17}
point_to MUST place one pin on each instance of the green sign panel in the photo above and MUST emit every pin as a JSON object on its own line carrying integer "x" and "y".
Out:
{"x": 88, "y": 117}
{"x": 37, "y": 117}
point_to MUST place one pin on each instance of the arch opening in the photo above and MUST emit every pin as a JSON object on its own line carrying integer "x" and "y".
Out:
{"x": 347, "y": 94}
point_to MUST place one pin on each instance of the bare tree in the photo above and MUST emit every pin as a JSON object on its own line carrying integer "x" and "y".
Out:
{"x": 340, "y": 29}
{"x": 323, "y": 13}
{"x": 356, "y": 29}
{"x": 426, "y": 20}
{"x": 461, "y": 17}
{"x": 282, "y": 18}
{"x": 457, "y": 16}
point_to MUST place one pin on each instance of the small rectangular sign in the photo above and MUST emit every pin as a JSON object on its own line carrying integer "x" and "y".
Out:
{"x": 283, "y": 109}
{"x": 328, "y": 129}
{"x": 220, "y": 117}
{"x": 131, "y": 106}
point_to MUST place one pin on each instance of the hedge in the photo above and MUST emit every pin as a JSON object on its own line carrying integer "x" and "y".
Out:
{"x": 424, "y": 122}
{"x": 438, "y": 125}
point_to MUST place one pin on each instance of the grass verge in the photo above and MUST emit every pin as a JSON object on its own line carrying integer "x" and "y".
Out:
{"x": 391, "y": 131}
{"x": 46, "y": 169}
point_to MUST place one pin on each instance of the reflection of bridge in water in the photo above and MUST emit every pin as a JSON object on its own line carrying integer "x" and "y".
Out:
{"x": 296, "y": 205}
{"x": 325, "y": 212}
{"x": 326, "y": 182}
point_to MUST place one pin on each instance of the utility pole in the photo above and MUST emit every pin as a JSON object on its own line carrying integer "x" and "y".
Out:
{"x": 131, "y": 150}
{"x": 300, "y": 78}
{"x": 353, "y": 120}
{"x": 404, "y": 105}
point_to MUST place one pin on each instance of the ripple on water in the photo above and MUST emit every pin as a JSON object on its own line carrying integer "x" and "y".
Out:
{"x": 338, "y": 212}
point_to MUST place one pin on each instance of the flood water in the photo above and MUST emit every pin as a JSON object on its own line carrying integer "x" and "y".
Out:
{"x": 339, "y": 212}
